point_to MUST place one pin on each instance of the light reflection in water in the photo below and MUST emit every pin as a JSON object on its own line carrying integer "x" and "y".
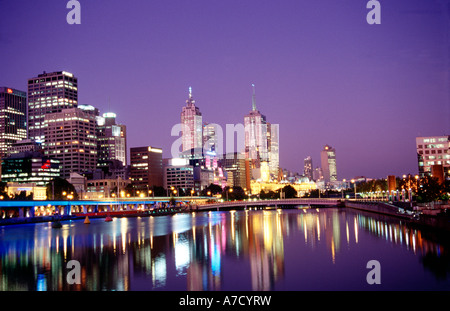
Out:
{"x": 250, "y": 250}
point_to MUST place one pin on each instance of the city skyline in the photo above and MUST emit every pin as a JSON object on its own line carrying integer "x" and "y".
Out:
{"x": 363, "y": 89}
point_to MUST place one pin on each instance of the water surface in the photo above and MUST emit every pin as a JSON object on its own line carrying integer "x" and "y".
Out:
{"x": 304, "y": 249}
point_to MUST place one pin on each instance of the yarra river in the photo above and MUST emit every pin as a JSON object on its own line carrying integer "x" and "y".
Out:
{"x": 280, "y": 250}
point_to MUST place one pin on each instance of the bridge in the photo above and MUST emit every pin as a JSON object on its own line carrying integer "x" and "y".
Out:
{"x": 227, "y": 205}
{"x": 30, "y": 211}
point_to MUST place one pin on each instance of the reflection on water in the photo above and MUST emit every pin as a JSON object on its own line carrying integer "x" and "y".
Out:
{"x": 237, "y": 250}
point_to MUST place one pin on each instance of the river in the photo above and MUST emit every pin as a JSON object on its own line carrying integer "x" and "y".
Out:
{"x": 257, "y": 250}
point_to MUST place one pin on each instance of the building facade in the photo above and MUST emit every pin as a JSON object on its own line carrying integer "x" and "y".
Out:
{"x": 49, "y": 93}
{"x": 308, "y": 167}
{"x": 30, "y": 167}
{"x": 235, "y": 168}
{"x": 328, "y": 161}
{"x": 112, "y": 140}
{"x": 13, "y": 118}
{"x": 179, "y": 175}
{"x": 433, "y": 150}
{"x": 273, "y": 143}
{"x": 71, "y": 138}
{"x": 146, "y": 168}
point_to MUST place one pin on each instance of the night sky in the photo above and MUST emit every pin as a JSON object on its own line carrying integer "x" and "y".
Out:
{"x": 321, "y": 71}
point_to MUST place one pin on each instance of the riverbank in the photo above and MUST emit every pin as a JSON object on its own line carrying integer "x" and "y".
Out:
{"x": 74, "y": 216}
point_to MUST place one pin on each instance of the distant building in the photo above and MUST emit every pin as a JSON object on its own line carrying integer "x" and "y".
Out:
{"x": 13, "y": 118}
{"x": 328, "y": 161}
{"x": 106, "y": 188}
{"x": 146, "y": 168}
{"x": 255, "y": 126}
{"x": 433, "y": 150}
{"x": 112, "y": 140}
{"x": 30, "y": 167}
{"x": 317, "y": 174}
{"x": 308, "y": 167}
{"x": 24, "y": 145}
{"x": 273, "y": 144}
{"x": 71, "y": 138}
{"x": 49, "y": 93}
{"x": 210, "y": 137}
{"x": 234, "y": 165}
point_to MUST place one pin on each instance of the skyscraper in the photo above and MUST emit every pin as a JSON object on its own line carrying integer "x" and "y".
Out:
{"x": 308, "y": 168}
{"x": 210, "y": 138}
{"x": 71, "y": 137}
{"x": 191, "y": 125}
{"x": 328, "y": 161}
{"x": 112, "y": 140}
{"x": 255, "y": 126}
{"x": 273, "y": 149}
{"x": 13, "y": 118}
{"x": 49, "y": 93}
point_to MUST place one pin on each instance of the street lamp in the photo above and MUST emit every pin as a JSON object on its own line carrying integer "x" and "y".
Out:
{"x": 354, "y": 184}
{"x": 229, "y": 190}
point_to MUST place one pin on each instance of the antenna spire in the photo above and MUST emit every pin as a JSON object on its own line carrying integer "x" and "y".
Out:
{"x": 253, "y": 98}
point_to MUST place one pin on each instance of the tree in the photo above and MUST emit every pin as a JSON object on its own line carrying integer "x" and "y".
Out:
{"x": 429, "y": 190}
{"x": 234, "y": 193}
{"x": 213, "y": 189}
{"x": 289, "y": 192}
{"x": 58, "y": 186}
{"x": 269, "y": 195}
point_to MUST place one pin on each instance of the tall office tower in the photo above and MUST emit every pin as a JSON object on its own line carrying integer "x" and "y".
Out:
{"x": 308, "y": 168}
{"x": 273, "y": 149}
{"x": 112, "y": 140}
{"x": 234, "y": 165}
{"x": 49, "y": 93}
{"x": 433, "y": 150}
{"x": 13, "y": 118}
{"x": 191, "y": 125}
{"x": 210, "y": 138}
{"x": 328, "y": 161}
{"x": 255, "y": 126}
{"x": 146, "y": 168}
{"x": 71, "y": 138}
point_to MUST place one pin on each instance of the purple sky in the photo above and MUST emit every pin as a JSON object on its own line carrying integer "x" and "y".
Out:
{"x": 321, "y": 72}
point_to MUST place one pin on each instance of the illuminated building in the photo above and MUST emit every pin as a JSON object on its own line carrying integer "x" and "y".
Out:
{"x": 106, "y": 188}
{"x": 328, "y": 161}
{"x": 112, "y": 140}
{"x": 49, "y": 93}
{"x": 13, "y": 117}
{"x": 24, "y": 145}
{"x": 146, "y": 168}
{"x": 210, "y": 139}
{"x": 206, "y": 167}
{"x": 302, "y": 188}
{"x": 255, "y": 126}
{"x": 179, "y": 174}
{"x": 273, "y": 148}
{"x": 30, "y": 167}
{"x": 234, "y": 165}
{"x": 191, "y": 125}
{"x": 308, "y": 168}
{"x": 71, "y": 138}
{"x": 433, "y": 150}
